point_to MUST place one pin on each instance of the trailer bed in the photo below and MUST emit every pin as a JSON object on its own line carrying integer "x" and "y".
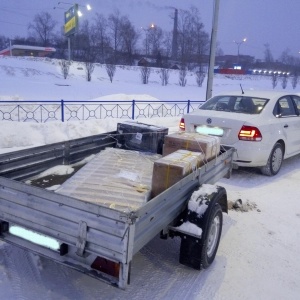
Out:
{"x": 92, "y": 238}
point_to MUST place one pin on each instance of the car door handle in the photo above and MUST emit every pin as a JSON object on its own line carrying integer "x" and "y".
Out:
{"x": 286, "y": 126}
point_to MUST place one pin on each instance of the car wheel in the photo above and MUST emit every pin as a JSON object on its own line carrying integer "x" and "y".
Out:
{"x": 274, "y": 162}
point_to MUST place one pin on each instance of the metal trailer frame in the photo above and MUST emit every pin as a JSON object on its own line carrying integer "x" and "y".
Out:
{"x": 93, "y": 239}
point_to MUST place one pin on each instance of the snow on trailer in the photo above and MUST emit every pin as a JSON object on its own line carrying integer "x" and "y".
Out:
{"x": 95, "y": 237}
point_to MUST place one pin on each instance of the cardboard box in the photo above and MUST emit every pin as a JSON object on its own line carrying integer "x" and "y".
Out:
{"x": 171, "y": 168}
{"x": 192, "y": 141}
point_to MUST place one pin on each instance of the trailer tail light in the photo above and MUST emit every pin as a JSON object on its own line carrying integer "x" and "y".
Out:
{"x": 250, "y": 133}
{"x": 106, "y": 266}
{"x": 182, "y": 124}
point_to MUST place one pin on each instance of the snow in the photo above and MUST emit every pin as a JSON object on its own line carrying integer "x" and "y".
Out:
{"x": 199, "y": 196}
{"x": 191, "y": 228}
{"x": 57, "y": 170}
{"x": 258, "y": 256}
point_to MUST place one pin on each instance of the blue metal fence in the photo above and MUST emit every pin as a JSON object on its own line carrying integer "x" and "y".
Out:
{"x": 67, "y": 110}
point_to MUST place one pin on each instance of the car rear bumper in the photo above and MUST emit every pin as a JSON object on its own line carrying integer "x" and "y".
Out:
{"x": 251, "y": 154}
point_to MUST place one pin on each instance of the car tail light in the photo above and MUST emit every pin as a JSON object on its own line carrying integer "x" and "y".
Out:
{"x": 182, "y": 124}
{"x": 250, "y": 133}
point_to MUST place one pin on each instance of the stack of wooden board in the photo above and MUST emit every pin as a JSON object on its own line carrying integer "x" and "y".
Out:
{"x": 116, "y": 178}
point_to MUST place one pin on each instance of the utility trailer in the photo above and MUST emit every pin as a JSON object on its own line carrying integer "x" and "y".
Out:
{"x": 96, "y": 240}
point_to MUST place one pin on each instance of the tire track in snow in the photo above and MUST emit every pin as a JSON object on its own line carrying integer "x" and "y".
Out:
{"x": 178, "y": 281}
{"x": 14, "y": 277}
{"x": 22, "y": 269}
{"x": 54, "y": 274}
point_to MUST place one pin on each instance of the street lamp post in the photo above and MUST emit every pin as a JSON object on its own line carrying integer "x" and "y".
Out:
{"x": 239, "y": 45}
{"x": 152, "y": 26}
{"x": 212, "y": 51}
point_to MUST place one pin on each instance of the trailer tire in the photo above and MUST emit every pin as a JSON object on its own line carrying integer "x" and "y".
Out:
{"x": 211, "y": 236}
{"x": 200, "y": 253}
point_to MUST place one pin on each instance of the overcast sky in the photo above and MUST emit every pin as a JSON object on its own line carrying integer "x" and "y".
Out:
{"x": 275, "y": 22}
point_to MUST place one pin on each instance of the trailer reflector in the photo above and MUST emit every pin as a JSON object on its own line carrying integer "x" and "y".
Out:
{"x": 34, "y": 237}
{"x": 106, "y": 266}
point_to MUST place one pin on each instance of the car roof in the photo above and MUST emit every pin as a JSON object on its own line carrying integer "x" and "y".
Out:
{"x": 256, "y": 93}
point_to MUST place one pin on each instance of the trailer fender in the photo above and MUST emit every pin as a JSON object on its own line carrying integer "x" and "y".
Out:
{"x": 204, "y": 212}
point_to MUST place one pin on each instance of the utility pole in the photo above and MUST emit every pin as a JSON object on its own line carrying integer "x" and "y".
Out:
{"x": 212, "y": 55}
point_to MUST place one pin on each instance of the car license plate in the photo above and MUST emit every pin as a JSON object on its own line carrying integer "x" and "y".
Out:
{"x": 209, "y": 130}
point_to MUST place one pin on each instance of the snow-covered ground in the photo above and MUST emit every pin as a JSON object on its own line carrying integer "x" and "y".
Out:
{"x": 259, "y": 248}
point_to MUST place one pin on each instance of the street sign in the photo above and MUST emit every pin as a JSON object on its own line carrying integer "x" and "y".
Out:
{"x": 71, "y": 20}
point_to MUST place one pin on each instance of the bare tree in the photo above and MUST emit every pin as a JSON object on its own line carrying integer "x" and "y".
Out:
{"x": 295, "y": 71}
{"x": 89, "y": 69}
{"x": 43, "y": 27}
{"x": 274, "y": 78}
{"x": 4, "y": 42}
{"x": 284, "y": 81}
{"x": 164, "y": 76}
{"x": 193, "y": 41}
{"x": 115, "y": 22}
{"x": 183, "y": 36}
{"x": 86, "y": 50}
{"x": 155, "y": 39}
{"x": 290, "y": 65}
{"x": 110, "y": 69}
{"x": 65, "y": 67}
{"x": 219, "y": 50}
{"x": 182, "y": 76}
{"x": 167, "y": 44}
{"x": 295, "y": 80}
{"x": 286, "y": 58}
{"x": 199, "y": 38}
{"x": 200, "y": 76}
{"x": 129, "y": 39}
{"x": 101, "y": 37}
{"x": 145, "y": 73}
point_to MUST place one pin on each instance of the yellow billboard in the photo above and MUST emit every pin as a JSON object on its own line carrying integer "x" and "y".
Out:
{"x": 71, "y": 20}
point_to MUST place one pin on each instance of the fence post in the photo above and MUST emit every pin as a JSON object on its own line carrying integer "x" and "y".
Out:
{"x": 133, "y": 105}
{"x": 188, "y": 106}
{"x": 62, "y": 110}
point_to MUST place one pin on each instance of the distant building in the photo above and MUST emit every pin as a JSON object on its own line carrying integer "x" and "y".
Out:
{"x": 143, "y": 62}
{"x": 24, "y": 50}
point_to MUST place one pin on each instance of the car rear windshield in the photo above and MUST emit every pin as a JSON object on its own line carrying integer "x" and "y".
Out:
{"x": 238, "y": 104}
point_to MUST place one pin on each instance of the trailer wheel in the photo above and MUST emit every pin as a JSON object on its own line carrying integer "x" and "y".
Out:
{"x": 212, "y": 235}
{"x": 200, "y": 253}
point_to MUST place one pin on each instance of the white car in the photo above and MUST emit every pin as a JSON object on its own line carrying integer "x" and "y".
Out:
{"x": 263, "y": 126}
